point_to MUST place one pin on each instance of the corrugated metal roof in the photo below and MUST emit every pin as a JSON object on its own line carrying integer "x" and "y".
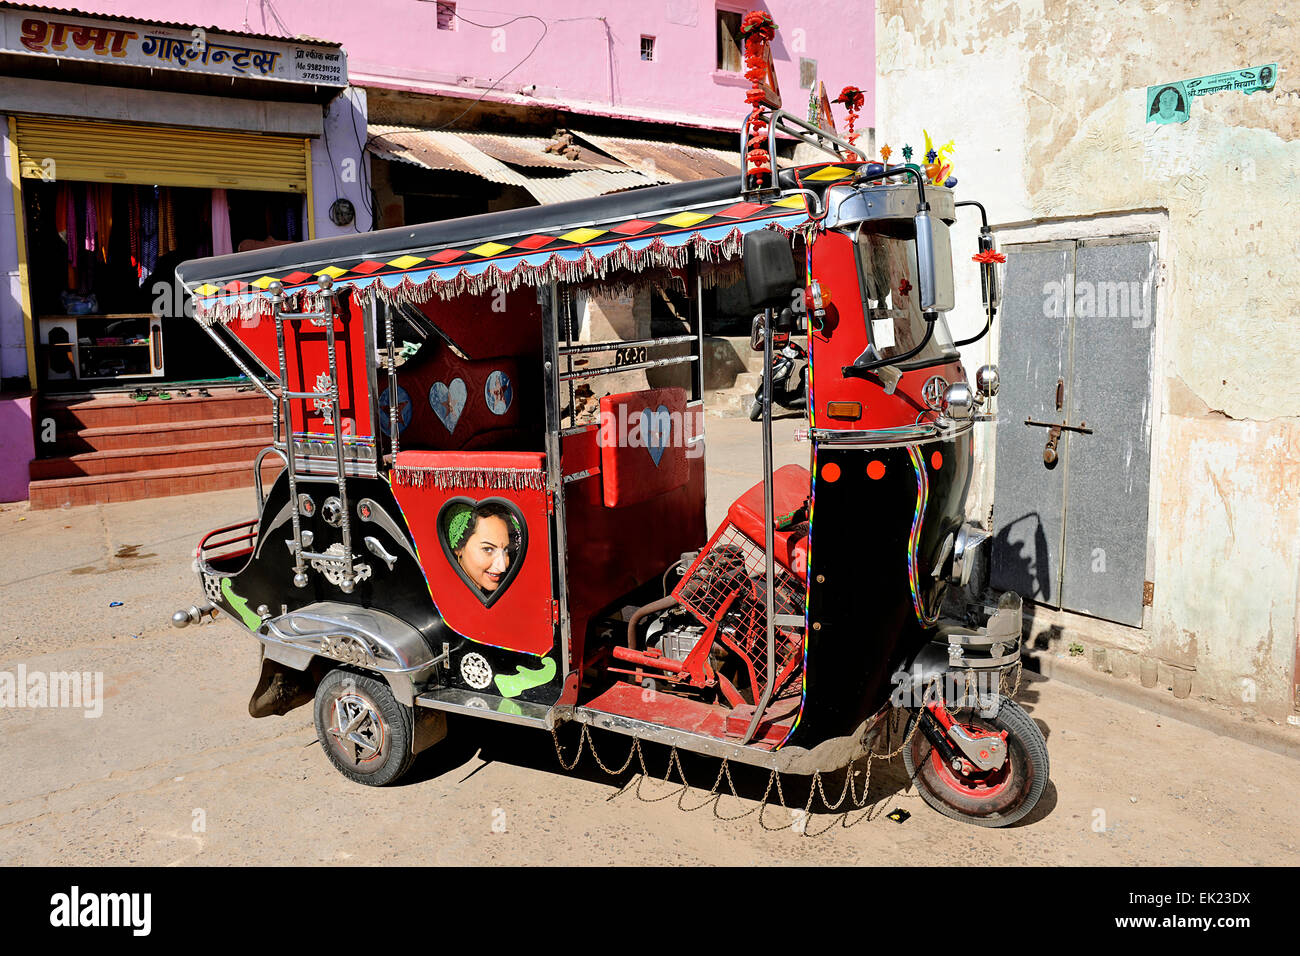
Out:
{"x": 438, "y": 150}
{"x": 670, "y": 162}
{"x": 72, "y": 11}
{"x": 459, "y": 152}
{"x": 531, "y": 151}
{"x": 583, "y": 185}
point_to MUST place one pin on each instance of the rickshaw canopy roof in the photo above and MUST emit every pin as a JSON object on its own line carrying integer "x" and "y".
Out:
{"x": 651, "y": 228}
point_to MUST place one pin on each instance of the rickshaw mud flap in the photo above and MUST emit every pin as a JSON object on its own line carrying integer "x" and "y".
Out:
{"x": 827, "y": 756}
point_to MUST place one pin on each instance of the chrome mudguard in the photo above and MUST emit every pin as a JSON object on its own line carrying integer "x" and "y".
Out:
{"x": 364, "y": 637}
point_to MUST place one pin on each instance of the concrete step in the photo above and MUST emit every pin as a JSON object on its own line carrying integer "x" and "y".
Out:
{"x": 749, "y": 380}
{"x": 753, "y": 361}
{"x": 166, "y": 456}
{"x": 154, "y": 435}
{"x": 119, "y": 409}
{"x": 157, "y": 483}
{"x": 725, "y": 357}
{"x": 728, "y": 403}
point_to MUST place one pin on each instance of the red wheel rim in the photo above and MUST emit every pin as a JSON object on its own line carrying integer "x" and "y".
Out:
{"x": 979, "y": 785}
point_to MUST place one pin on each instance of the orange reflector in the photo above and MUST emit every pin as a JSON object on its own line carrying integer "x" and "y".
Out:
{"x": 830, "y": 472}
{"x": 936, "y": 460}
{"x": 876, "y": 470}
{"x": 851, "y": 411}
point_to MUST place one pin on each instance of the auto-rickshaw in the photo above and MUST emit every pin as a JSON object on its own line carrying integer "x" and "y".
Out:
{"x": 463, "y": 521}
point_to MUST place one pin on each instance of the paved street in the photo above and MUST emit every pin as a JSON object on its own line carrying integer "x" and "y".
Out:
{"x": 175, "y": 772}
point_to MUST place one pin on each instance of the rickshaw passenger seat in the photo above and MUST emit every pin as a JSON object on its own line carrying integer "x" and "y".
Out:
{"x": 791, "y": 485}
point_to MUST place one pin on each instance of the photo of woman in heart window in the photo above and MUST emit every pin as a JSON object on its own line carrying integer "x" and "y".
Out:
{"x": 485, "y": 540}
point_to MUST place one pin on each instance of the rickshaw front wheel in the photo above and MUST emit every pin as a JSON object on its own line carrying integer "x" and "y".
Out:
{"x": 996, "y": 798}
{"x": 364, "y": 730}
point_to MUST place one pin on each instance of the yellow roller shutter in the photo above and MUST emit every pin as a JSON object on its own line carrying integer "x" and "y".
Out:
{"x": 88, "y": 151}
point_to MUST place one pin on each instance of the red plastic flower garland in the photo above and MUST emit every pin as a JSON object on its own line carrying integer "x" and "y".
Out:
{"x": 988, "y": 257}
{"x": 757, "y": 29}
{"x": 853, "y": 99}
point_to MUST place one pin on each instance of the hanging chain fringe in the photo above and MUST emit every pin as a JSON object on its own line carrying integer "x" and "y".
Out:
{"x": 816, "y": 785}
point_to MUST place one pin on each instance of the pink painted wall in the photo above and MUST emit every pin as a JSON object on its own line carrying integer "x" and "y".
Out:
{"x": 588, "y": 56}
{"x": 17, "y": 447}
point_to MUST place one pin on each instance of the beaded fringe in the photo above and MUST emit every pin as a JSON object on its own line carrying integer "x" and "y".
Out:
{"x": 515, "y": 479}
{"x": 656, "y": 255}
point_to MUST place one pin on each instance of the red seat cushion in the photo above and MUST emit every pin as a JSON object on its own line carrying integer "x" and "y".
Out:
{"x": 790, "y": 487}
{"x": 642, "y": 445}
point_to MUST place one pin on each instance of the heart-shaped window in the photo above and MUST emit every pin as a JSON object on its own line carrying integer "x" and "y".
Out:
{"x": 485, "y": 542}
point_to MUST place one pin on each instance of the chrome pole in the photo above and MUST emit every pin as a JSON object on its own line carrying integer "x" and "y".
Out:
{"x": 769, "y": 532}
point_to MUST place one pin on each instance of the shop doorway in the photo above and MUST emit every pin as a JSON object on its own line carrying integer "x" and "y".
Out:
{"x": 101, "y": 266}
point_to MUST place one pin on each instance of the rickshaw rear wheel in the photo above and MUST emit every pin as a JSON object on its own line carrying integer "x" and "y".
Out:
{"x": 996, "y": 798}
{"x": 363, "y": 729}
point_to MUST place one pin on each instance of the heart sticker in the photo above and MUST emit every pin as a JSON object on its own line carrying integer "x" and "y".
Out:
{"x": 448, "y": 401}
{"x": 485, "y": 542}
{"x": 656, "y": 431}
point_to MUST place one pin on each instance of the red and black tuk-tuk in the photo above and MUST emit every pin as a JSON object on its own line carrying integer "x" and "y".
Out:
{"x": 463, "y": 519}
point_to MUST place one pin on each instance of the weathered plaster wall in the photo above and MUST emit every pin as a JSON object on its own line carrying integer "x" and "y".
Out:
{"x": 1045, "y": 99}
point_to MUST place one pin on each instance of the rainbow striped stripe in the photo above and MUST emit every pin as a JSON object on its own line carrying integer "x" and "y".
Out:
{"x": 914, "y": 540}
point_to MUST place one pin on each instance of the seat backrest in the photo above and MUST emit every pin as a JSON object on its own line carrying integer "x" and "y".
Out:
{"x": 642, "y": 445}
{"x": 458, "y": 403}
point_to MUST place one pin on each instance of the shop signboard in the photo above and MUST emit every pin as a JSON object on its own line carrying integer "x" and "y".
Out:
{"x": 187, "y": 49}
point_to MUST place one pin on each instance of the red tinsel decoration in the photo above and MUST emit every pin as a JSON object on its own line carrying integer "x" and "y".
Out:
{"x": 853, "y": 99}
{"x": 757, "y": 29}
{"x": 988, "y": 256}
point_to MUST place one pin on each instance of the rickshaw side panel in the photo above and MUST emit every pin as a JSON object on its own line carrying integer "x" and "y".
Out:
{"x": 519, "y": 618}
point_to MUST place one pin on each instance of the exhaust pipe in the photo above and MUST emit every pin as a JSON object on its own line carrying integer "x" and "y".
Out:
{"x": 194, "y": 614}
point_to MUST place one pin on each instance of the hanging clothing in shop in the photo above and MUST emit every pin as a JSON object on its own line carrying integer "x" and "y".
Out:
{"x": 103, "y": 203}
{"x": 148, "y": 232}
{"x": 91, "y": 219}
{"x": 221, "y": 242}
{"x": 69, "y": 232}
{"x": 291, "y": 224}
{"x": 133, "y": 229}
{"x": 166, "y": 221}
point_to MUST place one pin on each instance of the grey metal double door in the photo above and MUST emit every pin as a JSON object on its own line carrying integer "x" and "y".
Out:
{"x": 1072, "y": 469}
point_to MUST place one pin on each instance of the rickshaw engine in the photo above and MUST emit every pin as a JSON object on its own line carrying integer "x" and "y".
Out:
{"x": 674, "y": 642}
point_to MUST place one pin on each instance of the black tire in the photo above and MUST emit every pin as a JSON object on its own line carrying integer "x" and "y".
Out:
{"x": 756, "y": 410}
{"x": 377, "y": 751}
{"x": 997, "y": 799}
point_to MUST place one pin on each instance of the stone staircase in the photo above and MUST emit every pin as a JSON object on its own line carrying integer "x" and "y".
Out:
{"x": 732, "y": 371}
{"x": 110, "y": 448}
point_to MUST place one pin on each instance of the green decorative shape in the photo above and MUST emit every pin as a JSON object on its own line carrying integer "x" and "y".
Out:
{"x": 456, "y": 527}
{"x": 523, "y": 679}
{"x": 510, "y": 707}
{"x": 250, "y": 619}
